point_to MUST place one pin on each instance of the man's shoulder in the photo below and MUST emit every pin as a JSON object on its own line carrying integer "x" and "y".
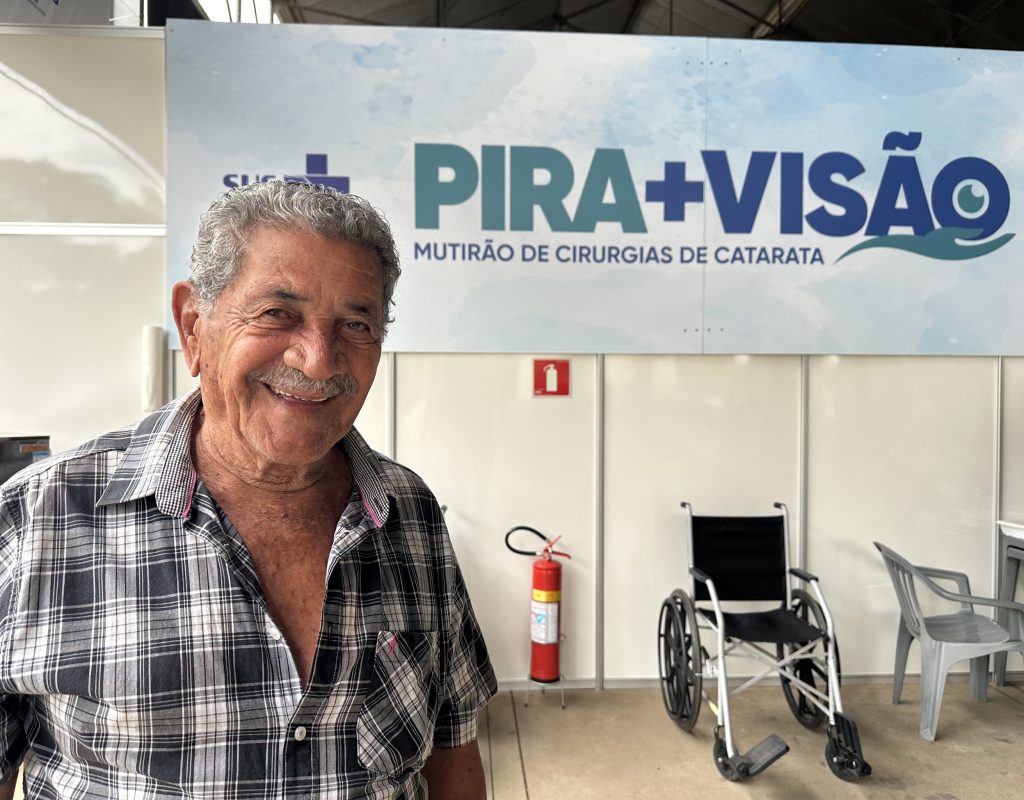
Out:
{"x": 87, "y": 469}
{"x": 63, "y": 479}
{"x": 92, "y": 457}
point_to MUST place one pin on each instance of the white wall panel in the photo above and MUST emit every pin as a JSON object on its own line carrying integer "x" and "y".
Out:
{"x": 71, "y": 332}
{"x": 721, "y": 432}
{"x": 82, "y": 138}
{"x": 498, "y": 457}
{"x": 900, "y": 451}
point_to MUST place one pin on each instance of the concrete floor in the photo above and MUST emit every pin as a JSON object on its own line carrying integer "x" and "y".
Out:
{"x": 620, "y": 744}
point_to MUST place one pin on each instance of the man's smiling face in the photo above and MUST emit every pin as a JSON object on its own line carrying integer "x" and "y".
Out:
{"x": 290, "y": 349}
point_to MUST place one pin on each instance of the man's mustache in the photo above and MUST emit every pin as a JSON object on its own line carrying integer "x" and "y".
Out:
{"x": 292, "y": 380}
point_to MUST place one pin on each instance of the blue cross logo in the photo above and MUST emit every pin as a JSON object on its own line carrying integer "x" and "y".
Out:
{"x": 674, "y": 191}
{"x": 316, "y": 172}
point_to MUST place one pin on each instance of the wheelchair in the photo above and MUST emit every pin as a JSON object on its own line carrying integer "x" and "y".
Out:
{"x": 747, "y": 559}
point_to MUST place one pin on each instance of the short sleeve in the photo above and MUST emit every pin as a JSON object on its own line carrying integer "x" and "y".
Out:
{"x": 12, "y": 736}
{"x": 469, "y": 681}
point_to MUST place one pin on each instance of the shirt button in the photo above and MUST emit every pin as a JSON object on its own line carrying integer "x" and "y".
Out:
{"x": 300, "y": 733}
{"x": 275, "y": 633}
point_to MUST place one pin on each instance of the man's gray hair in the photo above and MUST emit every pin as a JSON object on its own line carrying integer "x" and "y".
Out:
{"x": 224, "y": 230}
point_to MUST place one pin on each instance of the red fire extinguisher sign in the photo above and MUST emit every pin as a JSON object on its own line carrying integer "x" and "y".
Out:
{"x": 551, "y": 377}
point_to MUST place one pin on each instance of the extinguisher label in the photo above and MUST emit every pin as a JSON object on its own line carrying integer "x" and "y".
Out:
{"x": 544, "y": 596}
{"x": 544, "y": 621}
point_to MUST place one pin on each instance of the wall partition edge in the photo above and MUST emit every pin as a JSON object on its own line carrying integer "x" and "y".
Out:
{"x": 997, "y": 470}
{"x": 392, "y": 406}
{"x": 599, "y": 523}
{"x": 801, "y": 528}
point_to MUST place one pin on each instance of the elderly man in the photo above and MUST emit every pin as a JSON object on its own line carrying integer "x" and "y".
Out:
{"x": 237, "y": 598}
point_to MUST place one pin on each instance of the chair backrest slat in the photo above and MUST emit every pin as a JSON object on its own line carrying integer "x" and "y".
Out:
{"x": 902, "y": 573}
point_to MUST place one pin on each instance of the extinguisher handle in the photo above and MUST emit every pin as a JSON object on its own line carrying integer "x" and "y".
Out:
{"x": 549, "y": 549}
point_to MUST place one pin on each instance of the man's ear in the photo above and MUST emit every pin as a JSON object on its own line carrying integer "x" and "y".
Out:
{"x": 188, "y": 320}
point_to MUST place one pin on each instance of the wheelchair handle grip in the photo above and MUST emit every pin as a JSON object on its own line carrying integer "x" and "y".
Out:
{"x": 802, "y": 574}
{"x": 700, "y": 575}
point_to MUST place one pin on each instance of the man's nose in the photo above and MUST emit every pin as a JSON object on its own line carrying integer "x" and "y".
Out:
{"x": 315, "y": 352}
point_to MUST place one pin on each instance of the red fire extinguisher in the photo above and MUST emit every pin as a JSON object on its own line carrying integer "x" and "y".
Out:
{"x": 545, "y": 619}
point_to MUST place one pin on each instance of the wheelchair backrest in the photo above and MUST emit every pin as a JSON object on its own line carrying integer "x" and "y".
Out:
{"x": 745, "y": 557}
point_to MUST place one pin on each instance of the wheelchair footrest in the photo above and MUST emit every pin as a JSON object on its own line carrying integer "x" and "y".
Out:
{"x": 765, "y": 753}
{"x": 843, "y": 751}
{"x": 755, "y": 761}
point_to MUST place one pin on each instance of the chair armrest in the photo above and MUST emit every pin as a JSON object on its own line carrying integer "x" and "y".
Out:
{"x": 968, "y": 599}
{"x": 700, "y": 575}
{"x": 803, "y": 575}
{"x": 963, "y": 583}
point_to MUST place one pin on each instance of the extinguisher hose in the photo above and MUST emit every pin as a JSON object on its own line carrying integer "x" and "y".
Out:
{"x": 545, "y": 552}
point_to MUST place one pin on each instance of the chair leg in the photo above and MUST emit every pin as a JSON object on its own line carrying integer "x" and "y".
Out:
{"x": 933, "y": 683}
{"x": 979, "y": 678}
{"x": 1007, "y": 587}
{"x": 903, "y": 640}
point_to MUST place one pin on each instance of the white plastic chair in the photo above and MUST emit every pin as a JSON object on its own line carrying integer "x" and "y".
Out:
{"x": 946, "y": 639}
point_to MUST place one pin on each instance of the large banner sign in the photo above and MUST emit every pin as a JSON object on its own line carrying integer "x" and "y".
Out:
{"x": 624, "y": 194}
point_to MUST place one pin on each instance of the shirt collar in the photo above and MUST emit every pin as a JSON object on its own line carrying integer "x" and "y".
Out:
{"x": 158, "y": 462}
{"x": 375, "y": 486}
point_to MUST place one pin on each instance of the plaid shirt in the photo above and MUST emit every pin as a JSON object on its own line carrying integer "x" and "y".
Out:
{"x": 138, "y": 658}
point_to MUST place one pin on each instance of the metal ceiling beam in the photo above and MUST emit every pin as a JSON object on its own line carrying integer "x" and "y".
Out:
{"x": 584, "y": 10}
{"x": 739, "y": 9}
{"x": 972, "y": 23}
{"x": 301, "y": 7}
{"x": 634, "y": 14}
{"x": 292, "y": 13}
{"x": 784, "y": 12}
{"x": 983, "y": 13}
{"x": 489, "y": 14}
{"x": 557, "y": 18}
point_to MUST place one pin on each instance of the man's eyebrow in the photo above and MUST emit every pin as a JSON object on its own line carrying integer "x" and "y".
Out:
{"x": 361, "y": 307}
{"x": 283, "y": 295}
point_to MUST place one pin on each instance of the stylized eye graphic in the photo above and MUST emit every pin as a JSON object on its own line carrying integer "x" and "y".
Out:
{"x": 971, "y": 198}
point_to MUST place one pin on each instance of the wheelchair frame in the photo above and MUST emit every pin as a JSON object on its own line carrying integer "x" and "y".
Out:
{"x": 682, "y": 656}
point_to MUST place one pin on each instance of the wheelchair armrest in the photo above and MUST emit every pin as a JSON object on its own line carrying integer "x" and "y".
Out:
{"x": 700, "y": 575}
{"x": 803, "y": 575}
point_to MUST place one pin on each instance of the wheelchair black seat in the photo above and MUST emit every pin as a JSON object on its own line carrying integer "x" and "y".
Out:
{"x": 778, "y": 626}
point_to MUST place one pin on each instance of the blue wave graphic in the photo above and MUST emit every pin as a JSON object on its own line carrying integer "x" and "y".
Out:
{"x": 941, "y": 243}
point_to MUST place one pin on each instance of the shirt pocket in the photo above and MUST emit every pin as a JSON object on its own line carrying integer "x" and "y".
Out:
{"x": 394, "y": 729}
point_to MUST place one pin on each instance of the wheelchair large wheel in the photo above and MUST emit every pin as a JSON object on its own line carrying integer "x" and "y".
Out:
{"x": 679, "y": 659}
{"x": 812, "y": 669}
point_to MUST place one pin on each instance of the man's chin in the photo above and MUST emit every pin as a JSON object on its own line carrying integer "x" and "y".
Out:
{"x": 296, "y": 453}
